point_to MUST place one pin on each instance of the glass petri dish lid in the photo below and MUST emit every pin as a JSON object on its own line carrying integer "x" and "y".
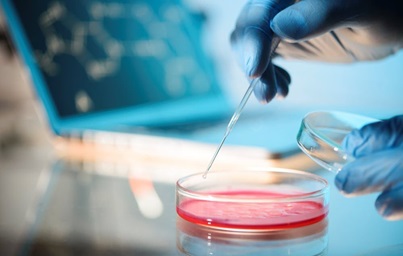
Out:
{"x": 253, "y": 201}
{"x": 321, "y": 135}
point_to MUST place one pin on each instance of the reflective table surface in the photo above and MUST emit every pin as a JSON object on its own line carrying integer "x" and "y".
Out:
{"x": 54, "y": 206}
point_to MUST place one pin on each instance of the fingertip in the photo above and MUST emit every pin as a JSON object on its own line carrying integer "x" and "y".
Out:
{"x": 266, "y": 89}
{"x": 290, "y": 25}
{"x": 303, "y": 20}
{"x": 387, "y": 211}
{"x": 264, "y": 92}
{"x": 283, "y": 73}
{"x": 382, "y": 207}
{"x": 347, "y": 182}
{"x": 352, "y": 142}
{"x": 340, "y": 180}
{"x": 283, "y": 81}
{"x": 390, "y": 204}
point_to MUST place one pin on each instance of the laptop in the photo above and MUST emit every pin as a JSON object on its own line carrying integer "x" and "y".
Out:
{"x": 103, "y": 70}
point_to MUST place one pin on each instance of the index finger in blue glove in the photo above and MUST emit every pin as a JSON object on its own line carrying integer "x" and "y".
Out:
{"x": 277, "y": 78}
{"x": 372, "y": 173}
{"x": 263, "y": 92}
{"x": 390, "y": 203}
{"x": 375, "y": 137}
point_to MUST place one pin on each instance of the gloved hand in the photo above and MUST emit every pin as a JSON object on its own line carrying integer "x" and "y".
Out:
{"x": 378, "y": 167}
{"x": 324, "y": 30}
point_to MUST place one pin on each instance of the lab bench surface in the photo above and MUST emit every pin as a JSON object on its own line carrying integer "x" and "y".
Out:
{"x": 50, "y": 206}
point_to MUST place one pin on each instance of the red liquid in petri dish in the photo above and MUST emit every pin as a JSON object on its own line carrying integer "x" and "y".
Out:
{"x": 253, "y": 215}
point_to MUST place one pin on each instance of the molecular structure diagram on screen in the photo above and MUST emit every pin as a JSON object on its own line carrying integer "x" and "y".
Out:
{"x": 165, "y": 41}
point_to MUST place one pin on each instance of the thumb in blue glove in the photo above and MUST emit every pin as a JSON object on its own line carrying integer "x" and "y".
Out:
{"x": 378, "y": 167}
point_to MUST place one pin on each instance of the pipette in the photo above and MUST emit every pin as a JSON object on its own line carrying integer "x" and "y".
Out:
{"x": 232, "y": 122}
{"x": 238, "y": 111}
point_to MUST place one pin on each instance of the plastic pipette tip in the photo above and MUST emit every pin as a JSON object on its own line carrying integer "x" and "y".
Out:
{"x": 232, "y": 122}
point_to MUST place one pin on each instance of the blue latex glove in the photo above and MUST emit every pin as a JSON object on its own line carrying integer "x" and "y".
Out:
{"x": 378, "y": 149}
{"x": 324, "y": 30}
{"x": 252, "y": 41}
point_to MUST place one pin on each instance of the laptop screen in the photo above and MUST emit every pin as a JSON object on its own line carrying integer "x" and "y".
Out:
{"x": 97, "y": 57}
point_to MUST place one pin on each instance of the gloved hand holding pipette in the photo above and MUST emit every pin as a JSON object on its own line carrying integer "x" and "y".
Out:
{"x": 341, "y": 31}
{"x": 253, "y": 41}
{"x": 324, "y": 30}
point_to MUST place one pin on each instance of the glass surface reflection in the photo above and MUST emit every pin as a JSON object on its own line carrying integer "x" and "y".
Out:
{"x": 79, "y": 212}
{"x": 196, "y": 240}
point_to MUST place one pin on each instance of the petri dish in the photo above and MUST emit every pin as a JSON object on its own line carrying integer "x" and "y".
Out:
{"x": 193, "y": 239}
{"x": 321, "y": 135}
{"x": 253, "y": 201}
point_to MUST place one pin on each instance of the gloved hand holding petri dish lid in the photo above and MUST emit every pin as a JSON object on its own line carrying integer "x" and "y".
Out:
{"x": 365, "y": 153}
{"x": 321, "y": 136}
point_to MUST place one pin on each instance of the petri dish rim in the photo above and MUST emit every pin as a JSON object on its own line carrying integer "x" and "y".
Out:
{"x": 311, "y": 129}
{"x": 317, "y": 134}
{"x": 289, "y": 198}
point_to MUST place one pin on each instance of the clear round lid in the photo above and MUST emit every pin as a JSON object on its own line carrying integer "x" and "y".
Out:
{"x": 321, "y": 135}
